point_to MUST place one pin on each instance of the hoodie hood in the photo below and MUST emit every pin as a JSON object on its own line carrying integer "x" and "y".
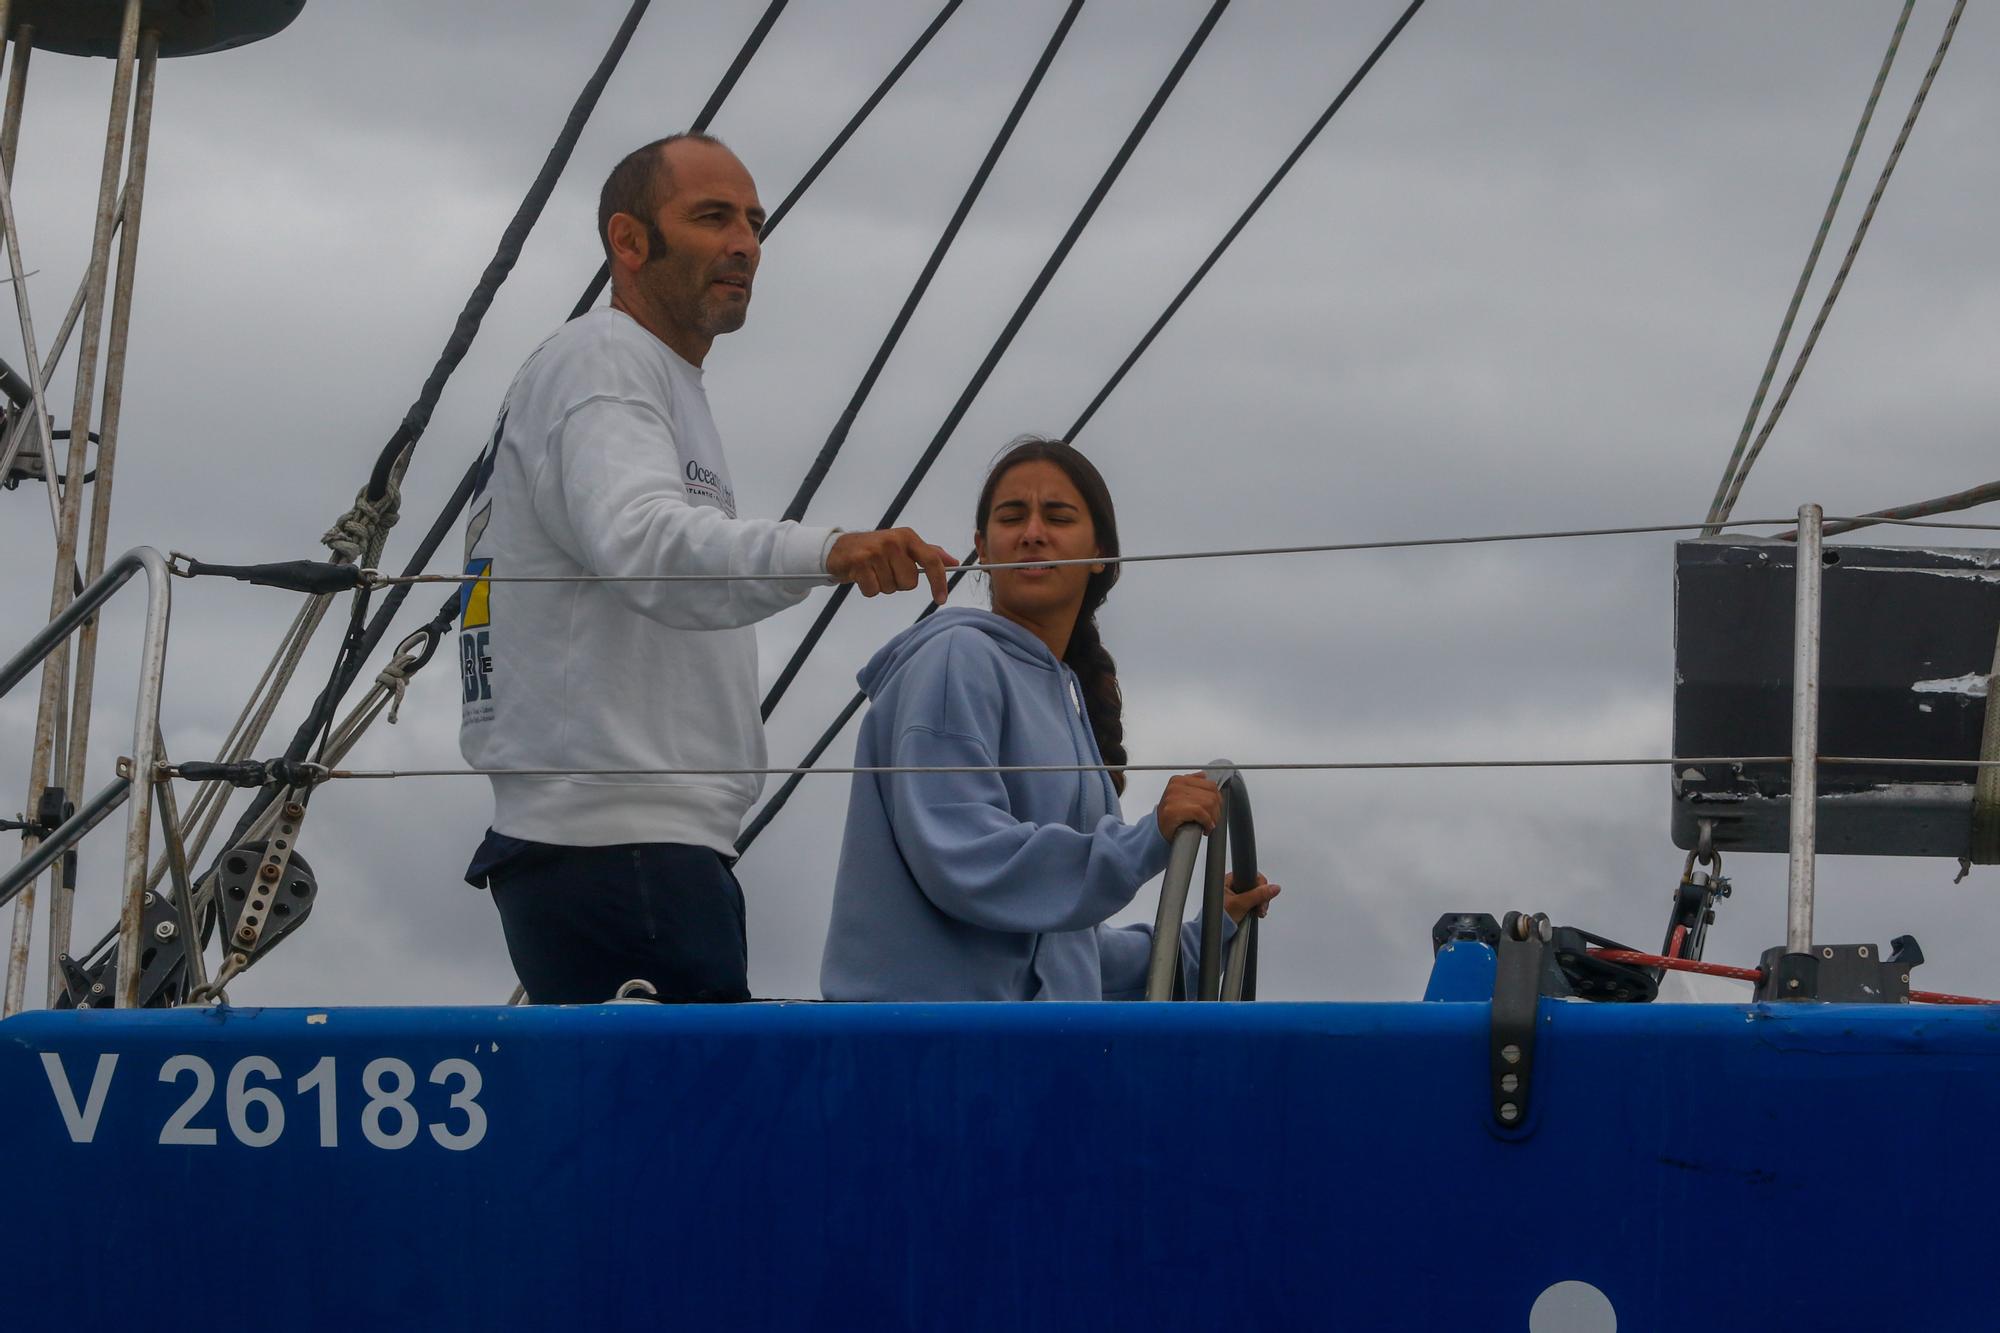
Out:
{"x": 1015, "y": 641}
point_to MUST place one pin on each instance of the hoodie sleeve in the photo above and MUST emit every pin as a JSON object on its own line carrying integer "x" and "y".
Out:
{"x": 618, "y": 493}
{"x": 970, "y": 854}
{"x": 1124, "y": 951}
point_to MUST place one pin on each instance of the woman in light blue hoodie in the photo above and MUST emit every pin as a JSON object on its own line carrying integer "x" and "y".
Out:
{"x": 996, "y": 886}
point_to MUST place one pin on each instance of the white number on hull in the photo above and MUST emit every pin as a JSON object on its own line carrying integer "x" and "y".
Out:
{"x": 82, "y": 1125}
{"x": 178, "y": 1130}
{"x": 256, "y": 1113}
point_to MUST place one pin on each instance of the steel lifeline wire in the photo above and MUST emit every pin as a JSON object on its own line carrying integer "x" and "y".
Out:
{"x": 187, "y": 567}
{"x": 258, "y": 772}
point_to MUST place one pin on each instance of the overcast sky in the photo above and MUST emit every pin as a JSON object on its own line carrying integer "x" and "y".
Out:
{"x": 1527, "y": 279}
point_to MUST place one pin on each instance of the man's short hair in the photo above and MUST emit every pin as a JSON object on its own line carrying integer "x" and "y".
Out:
{"x": 637, "y": 185}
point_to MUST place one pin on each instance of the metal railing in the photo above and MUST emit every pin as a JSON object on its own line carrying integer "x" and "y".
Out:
{"x": 134, "y": 785}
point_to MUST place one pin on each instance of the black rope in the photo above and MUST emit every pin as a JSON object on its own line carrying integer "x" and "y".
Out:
{"x": 816, "y": 474}
{"x": 307, "y": 576}
{"x": 1000, "y": 346}
{"x": 502, "y": 263}
{"x": 781, "y": 797}
{"x": 819, "y": 748}
{"x": 16, "y": 390}
{"x": 854, "y": 121}
{"x": 1243, "y": 220}
{"x": 602, "y": 277}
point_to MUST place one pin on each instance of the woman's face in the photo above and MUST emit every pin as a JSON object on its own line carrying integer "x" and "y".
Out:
{"x": 1038, "y": 514}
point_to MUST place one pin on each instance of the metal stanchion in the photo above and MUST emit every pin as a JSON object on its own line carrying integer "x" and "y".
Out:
{"x": 84, "y": 666}
{"x": 1805, "y": 733}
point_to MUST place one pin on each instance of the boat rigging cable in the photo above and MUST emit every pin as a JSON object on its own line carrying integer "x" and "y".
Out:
{"x": 1006, "y": 338}
{"x": 1735, "y": 473}
{"x": 258, "y": 772}
{"x": 819, "y": 747}
{"x": 315, "y": 576}
{"x": 309, "y": 575}
{"x": 816, "y": 473}
{"x": 1812, "y": 261}
{"x": 322, "y": 773}
{"x": 861, "y": 114}
{"x": 1970, "y": 498}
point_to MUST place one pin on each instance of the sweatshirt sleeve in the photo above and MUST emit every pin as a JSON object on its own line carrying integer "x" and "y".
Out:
{"x": 622, "y": 499}
{"x": 1123, "y": 953}
{"x": 971, "y": 855}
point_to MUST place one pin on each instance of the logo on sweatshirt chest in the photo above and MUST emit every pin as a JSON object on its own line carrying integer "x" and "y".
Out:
{"x": 705, "y": 484}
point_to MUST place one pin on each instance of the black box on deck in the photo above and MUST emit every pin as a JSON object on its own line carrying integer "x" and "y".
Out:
{"x": 1907, "y": 642}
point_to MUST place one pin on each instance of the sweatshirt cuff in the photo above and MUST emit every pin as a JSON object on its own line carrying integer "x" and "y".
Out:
{"x": 1154, "y": 848}
{"x": 803, "y": 550}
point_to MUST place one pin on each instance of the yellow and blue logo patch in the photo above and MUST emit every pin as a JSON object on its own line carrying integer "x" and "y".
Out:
{"x": 475, "y": 606}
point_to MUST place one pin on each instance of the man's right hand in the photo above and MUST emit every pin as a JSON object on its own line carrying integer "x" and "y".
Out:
{"x": 1190, "y": 798}
{"x": 888, "y": 560}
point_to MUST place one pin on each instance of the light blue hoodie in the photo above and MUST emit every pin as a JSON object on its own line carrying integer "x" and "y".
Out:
{"x": 984, "y": 886}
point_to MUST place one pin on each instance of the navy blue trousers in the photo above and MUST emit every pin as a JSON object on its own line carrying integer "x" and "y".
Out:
{"x": 582, "y": 921}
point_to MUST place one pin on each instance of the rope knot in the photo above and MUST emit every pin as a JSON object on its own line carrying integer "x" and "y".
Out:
{"x": 361, "y": 532}
{"x": 395, "y": 678}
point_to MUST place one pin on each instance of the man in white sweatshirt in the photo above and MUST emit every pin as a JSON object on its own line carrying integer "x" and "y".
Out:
{"x": 605, "y": 461}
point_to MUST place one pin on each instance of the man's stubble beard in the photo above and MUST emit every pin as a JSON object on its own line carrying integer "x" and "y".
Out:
{"x": 728, "y": 319}
{"x": 692, "y": 308}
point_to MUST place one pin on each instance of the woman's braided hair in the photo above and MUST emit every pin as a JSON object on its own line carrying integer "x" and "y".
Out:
{"x": 1087, "y": 656}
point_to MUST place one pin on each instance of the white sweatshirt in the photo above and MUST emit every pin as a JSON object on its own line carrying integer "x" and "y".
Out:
{"x": 605, "y": 460}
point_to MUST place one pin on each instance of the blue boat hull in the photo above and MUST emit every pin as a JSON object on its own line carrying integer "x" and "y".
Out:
{"x": 997, "y": 1167}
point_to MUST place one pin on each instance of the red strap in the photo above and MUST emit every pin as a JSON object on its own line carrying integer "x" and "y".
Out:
{"x": 1750, "y": 974}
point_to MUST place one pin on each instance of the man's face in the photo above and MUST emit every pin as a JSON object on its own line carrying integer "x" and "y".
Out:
{"x": 709, "y": 220}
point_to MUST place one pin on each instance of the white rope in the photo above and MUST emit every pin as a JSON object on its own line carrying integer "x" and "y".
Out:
{"x": 395, "y": 678}
{"x": 1742, "y": 471}
{"x": 1717, "y": 508}
{"x": 360, "y": 534}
